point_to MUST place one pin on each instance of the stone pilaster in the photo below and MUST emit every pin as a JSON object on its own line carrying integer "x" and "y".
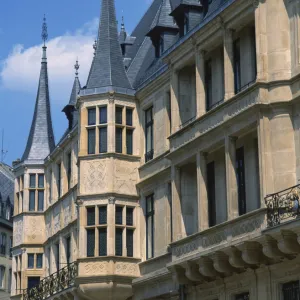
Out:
{"x": 175, "y": 120}
{"x": 200, "y": 83}
{"x": 231, "y": 180}
{"x": 111, "y": 226}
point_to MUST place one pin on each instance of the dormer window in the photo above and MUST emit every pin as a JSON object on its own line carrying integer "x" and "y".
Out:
{"x": 159, "y": 49}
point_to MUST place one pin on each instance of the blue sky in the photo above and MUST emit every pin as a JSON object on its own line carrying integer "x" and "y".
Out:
{"x": 72, "y": 27}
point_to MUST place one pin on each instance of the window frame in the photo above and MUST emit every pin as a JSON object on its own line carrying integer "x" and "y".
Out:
{"x": 150, "y": 215}
{"x": 149, "y": 124}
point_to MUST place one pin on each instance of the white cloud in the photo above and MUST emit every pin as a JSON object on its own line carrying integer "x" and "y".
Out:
{"x": 20, "y": 70}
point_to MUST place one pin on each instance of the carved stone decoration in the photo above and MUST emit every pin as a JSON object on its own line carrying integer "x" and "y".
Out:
{"x": 94, "y": 177}
{"x": 288, "y": 243}
{"x": 93, "y": 268}
{"x": 111, "y": 200}
{"x": 178, "y": 274}
{"x": 235, "y": 258}
{"x": 206, "y": 267}
{"x": 18, "y": 230}
{"x": 125, "y": 177}
{"x": 129, "y": 269}
{"x": 111, "y": 97}
{"x": 34, "y": 229}
{"x": 192, "y": 272}
{"x": 251, "y": 253}
{"x": 221, "y": 263}
{"x": 270, "y": 248}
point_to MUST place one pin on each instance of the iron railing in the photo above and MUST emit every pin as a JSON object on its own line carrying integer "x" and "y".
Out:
{"x": 149, "y": 155}
{"x": 211, "y": 106}
{"x": 55, "y": 283}
{"x": 283, "y": 205}
{"x": 187, "y": 122}
{"x": 245, "y": 86}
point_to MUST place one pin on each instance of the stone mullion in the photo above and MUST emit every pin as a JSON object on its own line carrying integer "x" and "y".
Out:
{"x": 175, "y": 119}
{"x": 200, "y": 82}
{"x": 111, "y": 128}
{"x": 111, "y": 228}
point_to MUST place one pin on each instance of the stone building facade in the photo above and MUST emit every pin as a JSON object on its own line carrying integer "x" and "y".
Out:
{"x": 177, "y": 176}
{"x": 6, "y": 229}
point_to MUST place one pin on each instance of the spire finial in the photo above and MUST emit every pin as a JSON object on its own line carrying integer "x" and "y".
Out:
{"x": 95, "y": 47}
{"x": 76, "y": 66}
{"x": 44, "y": 31}
{"x": 122, "y": 24}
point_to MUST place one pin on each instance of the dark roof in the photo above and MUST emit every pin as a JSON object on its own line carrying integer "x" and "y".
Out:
{"x": 41, "y": 138}
{"x": 107, "y": 70}
{"x": 6, "y": 182}
{"x": 75, "y": 91}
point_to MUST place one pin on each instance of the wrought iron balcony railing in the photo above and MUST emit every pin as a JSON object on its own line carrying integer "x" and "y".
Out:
{"x": 149, "y": 155}
{"x": 55, "y": 283}
{"x": 283, "y": 205}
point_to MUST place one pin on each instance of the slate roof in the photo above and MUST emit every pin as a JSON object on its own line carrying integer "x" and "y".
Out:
{"x": 107, "y": 69}
{"x": 6, "y": 183}
{"x": 41, "y": 138}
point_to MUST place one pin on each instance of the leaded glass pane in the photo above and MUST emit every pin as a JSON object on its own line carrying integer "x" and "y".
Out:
{"x": 90, "y": 216}
{"x": 119, "y": 241}
{"x": 119, "y": 140}
{"x": 129, "y": 116}
{"x": 102, "y": 215}
{"x": 103, "y": 114}
{"x": 119, "y": 111}
{"x": 40, "y": 200}
{"x": 91, "y": 116}
{"x": 30, "y": 261}
{"x": 91, "y": 141}
{"x": 129, "y": 141}
{"x": 102, "y": 242}
{"x": 32, "y": 179}
{"x": 41, "y": 181}
{"x": 39, "y": 261}
{"x": 31, "y": 200}
{"x": 129, "y": 216}
{"x": 129, "y": 242}
{"x": 90, "y": 243}
{"x": 103, "y": 139}
{"x": 119, "y": 213}
{"x": 290, "y": 290}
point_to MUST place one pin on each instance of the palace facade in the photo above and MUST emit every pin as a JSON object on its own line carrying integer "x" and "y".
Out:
{"x": 177, "y": 177}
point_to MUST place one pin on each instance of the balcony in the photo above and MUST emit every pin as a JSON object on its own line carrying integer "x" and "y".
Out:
{"x": 283, "y": 206}
{"x": 54, "y": 284}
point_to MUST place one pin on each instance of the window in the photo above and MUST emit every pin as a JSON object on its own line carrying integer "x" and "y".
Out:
{"x": 119, "y": 215}
{"x": 92, "y": 116}
{"x": 150, "y": 226}
{"x": 119, "y": 242}
{"x": 119, "y": 112}
{"x": 149, "y": 134}
{"x": 208, "y": 84}
{"x": 102, "y": 215}
{"x": 129, "y": 242}
{"x": 10, "y": 246}
{"x": 102, "y": 241}
{"x": 237, "y": 66}
{"x": 129, "y": 216}
{"x": 129, "y": 141}
{"x": 291, "y": 291}
{"x": 30, "y": 258}
{"x": 240, "y": 172}
{"x": 57, "y": 256}
{"x": 90, "y": 242}
{"x": 32, "y": 200}
{"x": 211, "y": 194}
{"x": 129, "y": 113}
{"x": 103, "y": 139}
{"x": 97, "y": 235}
{"x": 244, "y": 296}
{"x": 39, "y": 261}
{"x": 119, "y": 132}
{"x": 32, "y": 179}
{"x": 40, "y": 200}
{"x": 90, "y": 216}
{"x": 68, "y": 249}
{"x": 33, "y": 281}
{"x": 103, "y": 115}
{"x": 2, "y": 275}
{"x": 40, "y": 181}
{"x": 59, "y": 180}
{"x": 91, "y": 141}
{"x": 254, "y": 60}
{"x": 69, "y": 169}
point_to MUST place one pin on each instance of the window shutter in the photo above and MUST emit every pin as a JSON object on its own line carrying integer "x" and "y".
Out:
{"x": 90, "y": 241}
{"x": 102, "y": 215}
{"x": 119, "y": 140}
{"x": 129, "y": 242}
{"x": 129, "y": 141}
{"x": 103, "y": 140}
{"x": 102, "y": 242}
{"x": 119, "y": 241}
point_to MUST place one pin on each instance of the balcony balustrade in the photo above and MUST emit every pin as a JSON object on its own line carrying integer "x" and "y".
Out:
{"x": 55, "y": 283}
{"x": 283, "y": 206}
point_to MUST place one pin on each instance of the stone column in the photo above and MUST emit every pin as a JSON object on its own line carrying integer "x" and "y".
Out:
{"x": 202, "y": 191}
{"x": 261, "y": 40}
{"x": 176, "y": 204}
{"x": 111, "y": 226}
{"x": 200, "y": 83}
{"x": 231, "y": 180}
{"x": 228, "y": 63}
{"x": 175, "y": 117}
{"x": 83, "y": 121}
{"x": 111, "y": 124}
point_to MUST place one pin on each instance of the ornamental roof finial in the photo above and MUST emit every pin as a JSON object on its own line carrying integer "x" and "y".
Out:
{"x": 44, "y": 31}
{"x": 95, "y": 47}
{"x": 76, "y": 66}
{"x": 122, "y": 24}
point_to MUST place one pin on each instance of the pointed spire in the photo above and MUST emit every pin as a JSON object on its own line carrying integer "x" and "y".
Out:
{"x": 41, "y": 139}
{"x": 107, "y": 70}
{"x": 122, "y": 24}
{"x": 123, "y": 33}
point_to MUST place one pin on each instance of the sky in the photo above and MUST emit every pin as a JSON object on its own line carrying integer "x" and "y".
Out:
{"x": 72, "y": 29}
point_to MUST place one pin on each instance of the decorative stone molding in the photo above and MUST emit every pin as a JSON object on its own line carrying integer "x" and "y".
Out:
{"x": 111, "y": 200}
{"x": 206, "y": 267}
{"x": 221, "y": 263}
{"x": 192, "y": 272}
{"x": 287, "y": 242}
{"x": 178, "y": 274}
{"x": 270, "y": 248}
{"x": 111, "y": 97}
{"x": 251, "y": 253}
